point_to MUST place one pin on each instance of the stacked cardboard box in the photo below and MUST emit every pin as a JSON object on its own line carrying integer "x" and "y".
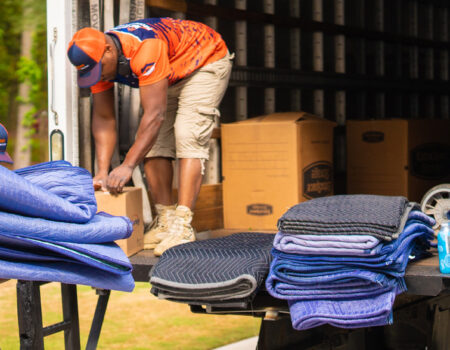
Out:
{"x": 128, "y": 203}
{"x": 397, "y": 156}
{"x": 271, "y": 163}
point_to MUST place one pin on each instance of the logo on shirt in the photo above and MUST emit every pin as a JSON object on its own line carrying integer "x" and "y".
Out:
{"x": 131, "y": 27}
{"x": 148, "y": 69}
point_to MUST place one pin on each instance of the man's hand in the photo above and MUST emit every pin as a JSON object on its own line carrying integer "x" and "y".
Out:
{"x": 118, "y": 178}
{"x": 99, "y": 181}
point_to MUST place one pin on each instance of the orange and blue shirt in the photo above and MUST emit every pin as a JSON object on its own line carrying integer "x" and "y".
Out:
{"x": 159, "y": 48}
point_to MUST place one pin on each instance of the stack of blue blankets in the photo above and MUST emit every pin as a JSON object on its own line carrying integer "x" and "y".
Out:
{"x": 50, "y": 231}
{"x": 340, "y": 260}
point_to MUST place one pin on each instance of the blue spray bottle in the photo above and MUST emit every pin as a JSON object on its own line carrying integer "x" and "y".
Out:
{"x": 444, "y": 247}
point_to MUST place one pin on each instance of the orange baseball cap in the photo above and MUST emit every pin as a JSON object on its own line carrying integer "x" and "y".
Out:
{"x": 85, "y": 52}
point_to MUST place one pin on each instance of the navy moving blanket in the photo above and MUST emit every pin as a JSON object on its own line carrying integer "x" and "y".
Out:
{"x": 50, "y": 231}
{"x": 229, "y": 268}
{"x": 381, "y": 216}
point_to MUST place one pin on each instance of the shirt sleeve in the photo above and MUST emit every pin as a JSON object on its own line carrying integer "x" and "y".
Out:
{"x": 151, "y": 62}
{"x": 101, "y": 86}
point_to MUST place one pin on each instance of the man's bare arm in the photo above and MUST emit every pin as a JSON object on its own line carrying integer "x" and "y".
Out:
{"x": 154, "y": 103}
{"x": 104, "y": 132}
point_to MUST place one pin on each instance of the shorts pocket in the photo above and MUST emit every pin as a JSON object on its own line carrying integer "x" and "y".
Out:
{"x": 220, "y": 68}
{"x": 205, "y": 123}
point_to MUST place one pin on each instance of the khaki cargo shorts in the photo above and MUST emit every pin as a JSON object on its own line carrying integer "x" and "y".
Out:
{"x": 192, "y": 111}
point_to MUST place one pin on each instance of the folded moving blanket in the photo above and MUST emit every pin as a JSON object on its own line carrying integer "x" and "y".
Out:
{"x": 213, "y": 270}
{"x": 74, "y": 184}
{"x": 326, "y": 244}
{"x": 362, "y": 312}
{"x": 287, "y": 282}
{"x": 345, "y": 265}
{"x": 344, "y": 244}
{"x": 106, "y": 256}
{"x": 381, "y": 216}
{"x": 100, "y": 229}
{"x": 49, "y": 230}
{"x": 30, "y": 194}
{"x": 65, "y": 272}
{"x": 392, "y": 261}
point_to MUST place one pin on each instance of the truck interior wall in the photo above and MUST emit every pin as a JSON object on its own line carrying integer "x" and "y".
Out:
{"x": 393, "y": 60}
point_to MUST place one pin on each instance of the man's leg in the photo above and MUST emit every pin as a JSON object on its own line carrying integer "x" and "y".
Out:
{"x": 159, "y": 174}
{"x": 199, "y": 98}
{"x": 190, "y": 181}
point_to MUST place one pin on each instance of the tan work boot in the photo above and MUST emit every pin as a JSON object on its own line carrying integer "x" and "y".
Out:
{"x": 180, "y": 231}
{"x": 160, "y": 226}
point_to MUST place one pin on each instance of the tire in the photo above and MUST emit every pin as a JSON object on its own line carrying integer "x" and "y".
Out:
{"x": 436, "y": 203}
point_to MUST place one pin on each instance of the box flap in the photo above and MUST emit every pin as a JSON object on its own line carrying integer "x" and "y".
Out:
{"x": 285, "y": 117}
{"x": 377, "y": 122}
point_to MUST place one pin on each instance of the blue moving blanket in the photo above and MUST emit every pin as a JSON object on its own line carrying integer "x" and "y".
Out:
{"x": 65, "y": 272}
{"x": 365, "y": 312}
{"x": 100, "y": 229}
{"x": 104, "y": 256}
{"x": 28, "y": 192}
{"x": 49, "y": 229}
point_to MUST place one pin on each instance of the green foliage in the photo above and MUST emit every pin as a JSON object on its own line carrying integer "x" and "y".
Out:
{"x": 29, "y": 72}
{"x": 13, "y": 68}
{"x": 10, "y": 15}
{"x": 15, "y": 18}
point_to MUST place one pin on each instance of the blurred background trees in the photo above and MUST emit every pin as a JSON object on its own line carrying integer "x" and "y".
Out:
{"x": 23, "y": 83}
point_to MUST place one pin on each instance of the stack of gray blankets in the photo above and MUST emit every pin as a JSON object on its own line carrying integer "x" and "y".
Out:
{"x": 50, "y": 231}
{"x": 220, "y": 272}
{"x": 340, "y": 260}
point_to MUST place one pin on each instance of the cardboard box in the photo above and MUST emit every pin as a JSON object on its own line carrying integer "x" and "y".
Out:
{"x": 128, "y": 203}
{"x": 397, "y": 156}
{"x": 271, "y": 163}
{"x": 208, "y": 211}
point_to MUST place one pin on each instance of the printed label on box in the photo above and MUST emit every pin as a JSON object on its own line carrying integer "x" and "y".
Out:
{"x": 135, "y": 220}
{"x": 373, "y": 136}
{"x": 431, "y": 161}
{"x": 318, "y": 180}
{"x": 259, "y": 209}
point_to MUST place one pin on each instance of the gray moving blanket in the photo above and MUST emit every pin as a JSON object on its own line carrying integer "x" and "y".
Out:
{"x": 212, "y": 271}
{"x": 380, "y": 216}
